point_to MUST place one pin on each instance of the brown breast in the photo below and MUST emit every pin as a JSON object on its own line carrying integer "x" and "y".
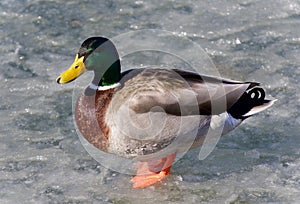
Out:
{"x": 89, "y": 116}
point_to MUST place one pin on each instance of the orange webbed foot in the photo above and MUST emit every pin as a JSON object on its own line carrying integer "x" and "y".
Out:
{"x": 149, "y": 173}
{"x": 143, "y": 181}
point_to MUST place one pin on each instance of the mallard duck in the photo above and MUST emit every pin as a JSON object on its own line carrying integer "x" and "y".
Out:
{"x": 153, "y": 113}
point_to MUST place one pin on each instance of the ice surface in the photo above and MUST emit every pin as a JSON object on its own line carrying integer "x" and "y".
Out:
{"x": 42, "y": 159}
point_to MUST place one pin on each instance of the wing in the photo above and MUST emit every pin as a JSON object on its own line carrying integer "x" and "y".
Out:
{"x": 179, "y": 92}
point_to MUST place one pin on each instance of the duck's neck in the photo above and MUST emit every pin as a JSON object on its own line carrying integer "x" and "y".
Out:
{"x": 110, "y": 79}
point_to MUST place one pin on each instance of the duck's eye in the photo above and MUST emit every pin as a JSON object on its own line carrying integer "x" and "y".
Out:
{"x": 76, "y": 66}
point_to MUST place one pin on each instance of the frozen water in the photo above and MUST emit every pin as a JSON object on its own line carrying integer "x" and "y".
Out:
{"x": 42, "y": 160}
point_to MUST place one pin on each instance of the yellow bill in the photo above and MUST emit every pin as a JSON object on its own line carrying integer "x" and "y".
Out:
{"x": 75, "y": 70}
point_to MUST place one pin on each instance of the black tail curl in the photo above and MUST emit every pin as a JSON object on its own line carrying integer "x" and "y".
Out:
{"x": 250, "y": 99}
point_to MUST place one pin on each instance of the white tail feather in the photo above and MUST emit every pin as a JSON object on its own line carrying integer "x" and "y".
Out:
{"x": 260, "y": 108}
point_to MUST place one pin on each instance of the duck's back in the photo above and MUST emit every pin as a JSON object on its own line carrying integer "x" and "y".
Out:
{"x": 156, "y": 108}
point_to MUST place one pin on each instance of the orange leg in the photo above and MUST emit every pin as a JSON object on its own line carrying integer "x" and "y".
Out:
{"x": 152, "y": 172}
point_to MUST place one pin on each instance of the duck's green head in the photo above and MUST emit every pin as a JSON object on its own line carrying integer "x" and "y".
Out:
{"x": 97, "y": 54}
